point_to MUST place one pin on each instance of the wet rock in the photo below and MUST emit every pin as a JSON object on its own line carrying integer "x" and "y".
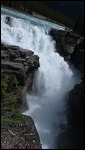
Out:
{"x": 57, "y": 35}
{"x": 8, "y": 21}
{"x": 78, "y": 55}
{"x": 18, "y": 61}
{"x": 76, "y": 102}
{"x": 65, "y": 42}
{"x": 7, "y": 47}
{"x": 69, "y": 41}
{"x": 73, "y": 136}
{"x": 24, "y": 53}
{"x": 33, "y": 61}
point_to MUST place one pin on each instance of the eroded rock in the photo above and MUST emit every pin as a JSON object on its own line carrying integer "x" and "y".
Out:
{"x": 65, "y": 42}
{"x": 8, "y": 21}
{"x": 18, "y": 61}
{"x": 22, "y": 133}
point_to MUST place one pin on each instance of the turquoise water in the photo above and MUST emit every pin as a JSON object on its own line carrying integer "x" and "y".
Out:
{"x": 34, "y": 20}
{"x": 53, "y": 79}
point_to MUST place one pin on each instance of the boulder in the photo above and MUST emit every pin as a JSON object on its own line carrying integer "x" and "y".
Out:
{"x": 33, "y": 61}
{"x": 18, "y": 61}
{"x": 65, "y": 42}
{"x": 8, "y": 21}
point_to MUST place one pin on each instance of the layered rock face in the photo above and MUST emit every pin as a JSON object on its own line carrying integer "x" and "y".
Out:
{"x": 18, "y": 61}
{"x": 71, "y": 47}
{"x": 65, "y": 42}
{"x": 22, "y": 133}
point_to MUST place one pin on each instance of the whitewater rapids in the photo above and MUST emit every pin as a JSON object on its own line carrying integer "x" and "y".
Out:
{"x": 47, "y": 101}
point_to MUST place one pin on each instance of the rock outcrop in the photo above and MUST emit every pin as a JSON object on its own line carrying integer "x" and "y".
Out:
{"x": 71, "y": 47}
{"x": 8, "y": 21}
{"x": 77, "y": 56}
{"x": 65, "y": 42}
{"x": 73, "y": 136}
{"x": 18, "y": 61}
{"x": 17, "y": 69}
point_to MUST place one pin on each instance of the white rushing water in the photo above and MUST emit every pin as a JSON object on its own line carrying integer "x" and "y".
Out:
{"x": 47, "y": 100}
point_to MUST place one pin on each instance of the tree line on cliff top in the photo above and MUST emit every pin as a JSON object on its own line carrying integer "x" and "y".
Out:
{"x": 40, "y": 8}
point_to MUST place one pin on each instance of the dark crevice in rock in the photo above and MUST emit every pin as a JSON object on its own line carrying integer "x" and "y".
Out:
{"x": 71, "y": 46}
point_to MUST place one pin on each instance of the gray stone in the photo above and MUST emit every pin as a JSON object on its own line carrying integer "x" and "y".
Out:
{"x": 18, "y": 61}
{"x": 11, "y": 65}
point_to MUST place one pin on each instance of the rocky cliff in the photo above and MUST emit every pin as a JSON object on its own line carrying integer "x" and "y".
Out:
{"x": 17, "y": 69}
{"x": 71, "y": 46}
{"x": 65, "y": 41}
{"x": 73, "y": 136}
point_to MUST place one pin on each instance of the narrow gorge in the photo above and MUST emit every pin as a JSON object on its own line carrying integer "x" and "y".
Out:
{"x": 29, "y": 44}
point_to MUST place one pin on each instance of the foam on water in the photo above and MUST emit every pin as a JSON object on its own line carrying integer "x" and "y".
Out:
{"x": 47, "y": 100}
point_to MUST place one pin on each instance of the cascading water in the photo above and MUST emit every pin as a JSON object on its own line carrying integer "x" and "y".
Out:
{"x": 54, "y": 78}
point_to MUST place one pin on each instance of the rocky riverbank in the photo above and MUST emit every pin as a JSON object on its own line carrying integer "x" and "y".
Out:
{"x": 17, "y": 69}
{"x": 73, "y": 136}
{"x": 71, "y": 47}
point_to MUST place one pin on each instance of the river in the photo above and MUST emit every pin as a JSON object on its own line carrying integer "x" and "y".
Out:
{"x": 55, "y": 77}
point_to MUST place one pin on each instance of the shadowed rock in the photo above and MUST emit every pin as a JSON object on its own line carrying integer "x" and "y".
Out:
{"x": 8, "y": 21}
{"x": 73, "y": 136}
{"x": 22, "y": 63}
{"x": 65, "y": 42}
{"x": 78, "y": 55}
{"x": 18, "y": 61}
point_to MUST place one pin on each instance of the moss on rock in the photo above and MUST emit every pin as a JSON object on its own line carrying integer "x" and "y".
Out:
{"x": 10, "y": 113}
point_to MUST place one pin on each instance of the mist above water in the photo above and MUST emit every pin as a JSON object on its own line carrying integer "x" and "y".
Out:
{"x": 47, "y": 101}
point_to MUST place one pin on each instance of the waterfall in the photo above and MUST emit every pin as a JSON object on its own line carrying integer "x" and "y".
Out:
{"x": 47, "y": 100}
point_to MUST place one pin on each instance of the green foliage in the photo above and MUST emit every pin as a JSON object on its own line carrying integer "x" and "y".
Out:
{"x": 8, "y": 85}
{"x": 10, "y": 114}
{"x": 12, "y": 83}
{"x": 7, "y": 121}
{"x": 11, "y": 99}
{"x": 4, "y": 86}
